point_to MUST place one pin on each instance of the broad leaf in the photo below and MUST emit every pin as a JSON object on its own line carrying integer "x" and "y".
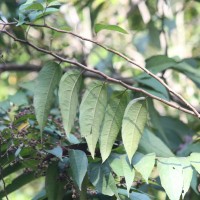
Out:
{"x": 121, "y": 166}
{"x": 171, "y": 176}
{"x": 92, "y": 111}
{"x": 46, "y": 83}
{"x": 195, "y": 161}
{"x": 150, "y": 143}
{"x": 54, "y": 187}
{"x": 112, "y": 122}
{"x": 99, "y": 27}
{"x": 187, "y": 174}
{"x": 101, "y": 177}
{"x": 57, "y": 151}
{"x": 145, "y": 165}
{"x": 134, "y": 120}
{"x": 68, "y": 97}
{"x": 79, "y": 164}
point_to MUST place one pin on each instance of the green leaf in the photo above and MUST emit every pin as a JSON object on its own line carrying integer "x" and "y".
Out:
{"x": 54, "y": 187}
{"x": 92, "y": 111}
{"x": 171, "y": 176}
{"x": 145, "y": 165}
{"x": 101, "y": 177}
{"x": 98, "y": 27}
{"x": 112, "y": 122}
{"x": 187, "y": 174}
{"x": 57, "y": 151}
{"x": 34, "y": 6}
{"x": 18, "y": 183}
{"x": 79, "y": 164}
{"x": 68, "y": 97}
{"x": 150, "y": 143}
{"x": 133, "y": 123}
{"x": 195, "y": 161}
{"x": 46, "y": 83}
{"x": 121, "y": 166}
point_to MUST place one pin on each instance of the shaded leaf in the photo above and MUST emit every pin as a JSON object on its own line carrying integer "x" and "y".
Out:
{"x": 101, "y": 177}
{"x": 92, "y": 110}
{"x": 46, "y": 83}
{"x": 145, "y": 165}
{"x": 150, "y": 143}
{"x": 98, "y": 27}
{"x": 57, "y": 151}
{"x": 133, "y": 123}
{"x": 68, "y": 97}
{"x": 54, "y": 187}
{"x": 171, "y": 176}
{"x": 121, "y": 166}
{"x": 79, "y": 164}
{"x": 112, "y": 122}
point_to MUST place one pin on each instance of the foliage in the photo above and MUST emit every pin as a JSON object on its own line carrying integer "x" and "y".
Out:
{"x": 79, "y": 124}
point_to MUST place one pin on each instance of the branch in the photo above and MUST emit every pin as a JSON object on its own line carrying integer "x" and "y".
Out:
{"x": 36, "y": 68}
{"x": 113, "y": 80}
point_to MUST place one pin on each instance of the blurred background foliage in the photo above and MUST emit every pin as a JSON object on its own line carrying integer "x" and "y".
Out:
{"x": 163, "y": 35}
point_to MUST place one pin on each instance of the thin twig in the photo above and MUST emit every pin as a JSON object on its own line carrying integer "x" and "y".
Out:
{"x": 120, "y": 55}
{"x": 113, "y": 80}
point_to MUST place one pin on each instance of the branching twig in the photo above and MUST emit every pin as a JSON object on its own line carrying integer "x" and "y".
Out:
{"x": 193, "y": 111}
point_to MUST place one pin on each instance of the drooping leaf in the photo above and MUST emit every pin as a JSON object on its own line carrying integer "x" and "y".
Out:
{"x": 34, "y": 6}
{"x": 46, "y": 83}
{"x": 101, "y": 177}
{"x": 98, "y": 27}
{"x": 145, "y": 165}
{"x": 54, "y": 187}
{"x": 171, "y": 176}
{"x": 150, "y": 143}
{"x": 133, "y": 123}
{"x": 57, "y": 151}
{"x": 187, "y": 174}
{"x": 112, "y": 122}
{"x": 92, "y": 111}
{"x": 79, "y": 164}
{"x": 68, "y": 97}
{"x": 195, "y": 161}
{"x": 121, "y": 166}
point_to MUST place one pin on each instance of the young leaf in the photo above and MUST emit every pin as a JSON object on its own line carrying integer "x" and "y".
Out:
{"x": 46, "y": 83}
{"x": 187, "y": 174}
{"x": 68, "y": 97}
{"x": 98, "y": 27}
{"x": 133, "y": 123}
{"x": 79, "y": 164}
{"x": 92, "y": 110}
{"x": 195, "y": 161}
{"x": 145, "y": 165}
{"x": 171, "y": 176}
{"x": 121, "y": 167}
{"x": 112, "y": 122}
{"x": 54, "y": 187}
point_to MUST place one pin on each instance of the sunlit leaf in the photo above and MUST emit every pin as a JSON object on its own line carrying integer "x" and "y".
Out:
{"x": 145, "y": 165}
{"x": 92, "y": 111}
{"x": 68, "y": 97}
{"x": 134, "y": 120}
{"x": 112, "y": 122}
{"x": 171, "y": 176}
{"x": 79, "y": 164}
{"x": 99, "y": 27}
{"x": 195, "y": 161}
{"x": 46, "y": 83}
